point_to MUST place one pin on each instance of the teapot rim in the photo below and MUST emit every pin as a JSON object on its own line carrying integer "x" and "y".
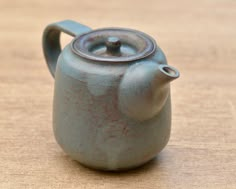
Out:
{"x": 141, "y": 43}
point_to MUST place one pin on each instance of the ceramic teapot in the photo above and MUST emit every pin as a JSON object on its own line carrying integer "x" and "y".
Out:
{"x": 112, "y": 106}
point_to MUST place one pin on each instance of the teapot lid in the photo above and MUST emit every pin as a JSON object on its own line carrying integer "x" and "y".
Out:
{"x": 114, "y": 45}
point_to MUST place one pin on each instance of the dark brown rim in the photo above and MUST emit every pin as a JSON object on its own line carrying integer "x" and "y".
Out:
{"x": 146, "y": 43}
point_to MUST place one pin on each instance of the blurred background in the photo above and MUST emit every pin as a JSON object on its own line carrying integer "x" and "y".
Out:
{"x": 198, "y": 38}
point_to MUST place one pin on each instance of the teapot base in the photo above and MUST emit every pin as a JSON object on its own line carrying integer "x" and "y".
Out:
{"x": 142, "y": 165}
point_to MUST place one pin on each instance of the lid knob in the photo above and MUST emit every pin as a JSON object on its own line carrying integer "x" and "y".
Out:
{"x": 113, "y": 45}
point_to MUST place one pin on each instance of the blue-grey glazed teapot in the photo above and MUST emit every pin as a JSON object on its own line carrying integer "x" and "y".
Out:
{"x": 112, "y": 107}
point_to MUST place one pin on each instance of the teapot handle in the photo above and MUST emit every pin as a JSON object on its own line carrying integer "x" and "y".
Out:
{"x": 51, "y": 40}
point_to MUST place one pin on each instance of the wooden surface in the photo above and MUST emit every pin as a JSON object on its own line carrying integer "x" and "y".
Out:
{"x": 198, "y": 37}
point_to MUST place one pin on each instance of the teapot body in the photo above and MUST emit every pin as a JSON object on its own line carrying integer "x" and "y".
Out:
{"x": 95, "y": 124}
{"x": 87, "y": 121}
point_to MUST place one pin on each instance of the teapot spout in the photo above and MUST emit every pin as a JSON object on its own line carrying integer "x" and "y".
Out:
{"x": 144, "y": 89}
{"x": 166, "y": 74}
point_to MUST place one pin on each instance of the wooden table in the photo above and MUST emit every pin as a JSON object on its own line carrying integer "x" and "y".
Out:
{"x": 198, "y": 37}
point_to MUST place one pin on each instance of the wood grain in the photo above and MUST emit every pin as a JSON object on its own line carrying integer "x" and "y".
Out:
{"x": 198, "y": 37}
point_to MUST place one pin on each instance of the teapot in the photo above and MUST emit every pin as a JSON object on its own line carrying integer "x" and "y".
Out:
{"x": 112, "y": 105}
